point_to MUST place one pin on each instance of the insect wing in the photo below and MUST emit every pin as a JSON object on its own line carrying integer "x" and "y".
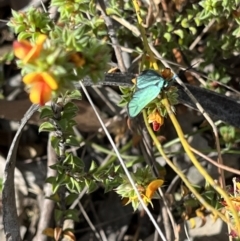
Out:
{"x": 147, "y": 78}
{"x": 141, "y": 98}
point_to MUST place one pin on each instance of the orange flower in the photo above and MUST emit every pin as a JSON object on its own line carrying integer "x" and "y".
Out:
{"x": 77, "y": 59}
{"x": 152, "y": 188}
{"x": 167, "y": 73}
{"x": 27, "y": 52}
{"x": 156, "y": 119}
{"x": 146, "y": 193}
{"x": 41, "y": 86}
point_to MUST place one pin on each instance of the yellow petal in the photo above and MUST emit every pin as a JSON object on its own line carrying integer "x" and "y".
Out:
{"x": 36, "y": 49}
{"x": 155, "y": 116}
{"x": 192, "y": 223}
{"x": 41, "y": 39}
{"x": 39, "y": 77}
{"x": 49, "y": 80}
{"x": 152, "y": 187}
{"x": 31, "y": 77}
{"x": 200, "y": 214}
{"x": 134, "y": 81}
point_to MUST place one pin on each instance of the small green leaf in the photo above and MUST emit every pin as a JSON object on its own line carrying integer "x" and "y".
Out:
{"x": 226, "y": 45}
{"x": 24, "y": 35}
{"x": 124, "y": 90}
{"x": 46, "y": 126}
{"x": 78, "y": 186}
{"x": 67, "y": 126}
{"x": 58, "y": 214}
{"x": 62, "y": 178}
{"x": 170, "y": 27}
{"x": 54, "y": 167}
{"x": 51, "y": 180}
{"x": 70, "y": 107}
{"x": 178, "y": 18}
{"x": 93, "y": 166}
{"x": 185, "y": 23}
{"x": 236, "y": 32}
{"x": 55, "y": 142}
{"x": 54, "y": 197}
{"x": 75, "y": 94}
{"x": 193, "y": 30}
{"x": 197, "y": 21}
{"x": 78, "y": 162}
{"x": 46, "y": 111}
{"x": 68, "y": 159}
{"x": 111, "y": 11}
{"x": 73, "y": 160}
{"x": 55, "y": 187}
{"x": 72, "y": 141}
{"x": 227, "y": 133}
{"x": 91, "y": 185}
{"x": 225, "y": 79}
{"x": 15, "y": 14}
{"x": 71, "y": 214}
{"x": 68, "y": 115}
{"x": 180, "y": 33}
{"x": 71, "y": 198}
{"x": 122, "y": 103}
{"x": 167, "y": 36}
{"x": 19, "y": 29}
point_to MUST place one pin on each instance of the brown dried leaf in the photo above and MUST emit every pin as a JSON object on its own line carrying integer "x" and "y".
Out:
{"x": 69, "y": 235}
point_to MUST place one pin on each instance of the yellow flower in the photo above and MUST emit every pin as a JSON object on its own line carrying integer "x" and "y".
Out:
{"x": 41, "y": 86}
{"x": 156, "y": 119}
{"x": 146, "y": 194}
{"x": 152, "y": 188}
{"x": 27, "y": 52}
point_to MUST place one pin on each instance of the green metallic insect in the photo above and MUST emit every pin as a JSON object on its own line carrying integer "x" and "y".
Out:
{"x": 149, "y": 85}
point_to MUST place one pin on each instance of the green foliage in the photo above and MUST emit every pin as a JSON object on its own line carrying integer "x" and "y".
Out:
{"x": 230, "y": 136}
{"x": 1, "y": 184}
{"x": 185, "y": 26}
{"x": 76, "y": 47}
{"x": 30, "y": 24}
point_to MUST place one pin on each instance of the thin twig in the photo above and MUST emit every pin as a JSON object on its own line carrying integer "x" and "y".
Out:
{"x": 123, "y": 165}
{"x": 48, "y": 205}
{"x": 166, "y": 224}
{"x": 91, "y": 225}
{"x": 10, "y": 217}
{"x": 149, "y": 151}
{"x": 196, "y": 41}
{"x": 165, "y": 10}
{"x": 224, "y": 167}
{"x": 112, "y": 35}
